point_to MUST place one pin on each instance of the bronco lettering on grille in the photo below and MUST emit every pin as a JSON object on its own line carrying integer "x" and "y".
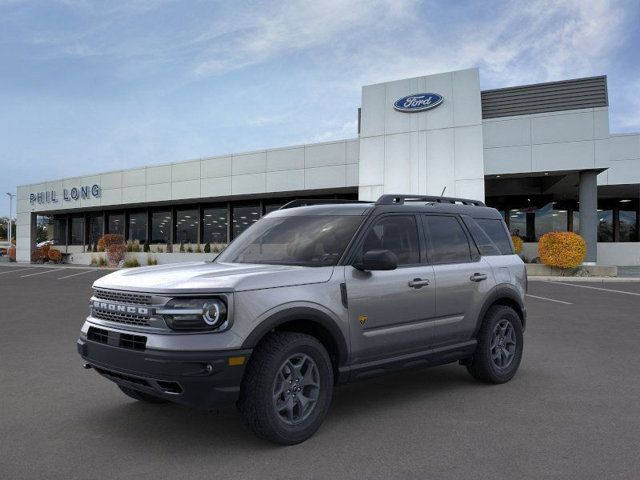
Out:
{"x": 117, "y": 308}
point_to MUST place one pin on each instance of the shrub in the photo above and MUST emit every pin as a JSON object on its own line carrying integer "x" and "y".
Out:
{"x": 562, "y": 249}
{"x": 54, "y": 255}
{"x": 94, "y": 261}
{"x": 207, "y": 247}
{"x": 131, "y": 263}
{"x": 12, "y": 253}
{"x": 181, "y": 247}
{"x": 44, "y": 251}
{"x": 169, "y": 247}
{"x": 151, "y": 260}
{"x": 136, "y": 246}
{"x": 102, "y": 262}
{"x": 116, "y": 254}
{"x": 218, "y": 247}
{"x": 109, "y": 239}
{"x": 189, "y": 249}
{"x": 198, "y": 249}
{"x": 95, "y": 248}
{"x": 518, "y": 244}
{"x": 145, "y": 247}
{"x": 129, "y": 246}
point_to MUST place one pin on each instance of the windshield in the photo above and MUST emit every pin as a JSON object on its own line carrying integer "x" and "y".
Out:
{"x": 310, "y": 241}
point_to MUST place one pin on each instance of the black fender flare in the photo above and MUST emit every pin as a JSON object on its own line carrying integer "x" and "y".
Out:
{"x": 497, "y": 293}
{"x": 299, "y": 313}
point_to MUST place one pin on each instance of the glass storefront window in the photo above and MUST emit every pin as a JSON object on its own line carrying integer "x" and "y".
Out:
{"x": 115, "y": 223}
{"x": 243, "y": 217}
{"x": 605, "y": 225}
{"x": 96, "y": 226}
{"x": 548, "y": 219}
{"x": 44, "y": 228}
{"x": 160, "y": 226}
{"x": 138, "y": 226}
{"x": 214, "y": 225}
{"x": 187, "y": 226}
{"x": 518, "y": 223}
{"x": 628, "y": 222}
{"x": 60, "y": 230}
{"x": 77, "y": 230}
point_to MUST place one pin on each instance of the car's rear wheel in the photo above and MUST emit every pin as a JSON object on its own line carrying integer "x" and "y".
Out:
{"x": 287, "y": 388}
{"x": 141, "y": 396}
{"x": 500, "y": 345}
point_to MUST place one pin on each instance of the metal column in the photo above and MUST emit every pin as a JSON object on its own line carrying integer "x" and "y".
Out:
{"x": 588, "y": 197}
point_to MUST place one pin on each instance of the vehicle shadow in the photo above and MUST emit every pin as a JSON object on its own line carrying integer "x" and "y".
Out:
{"x": 193, "y": 430}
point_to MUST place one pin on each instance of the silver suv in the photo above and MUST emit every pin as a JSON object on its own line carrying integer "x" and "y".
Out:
{"x": 315, "y": 294}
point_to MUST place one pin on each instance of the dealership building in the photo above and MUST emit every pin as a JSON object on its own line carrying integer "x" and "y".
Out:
{"x": 541, "y": 154}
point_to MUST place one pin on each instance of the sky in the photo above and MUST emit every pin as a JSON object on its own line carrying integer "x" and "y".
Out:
{"x": 93, "y": 86}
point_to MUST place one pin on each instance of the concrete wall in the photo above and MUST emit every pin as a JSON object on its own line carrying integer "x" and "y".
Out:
{"x": 623, "y": 161}
{"x": 546, "y": 142}
{"x": 304, "y": 167}
{"x": 421, "y": 153}
{"x": 621, "y": 254}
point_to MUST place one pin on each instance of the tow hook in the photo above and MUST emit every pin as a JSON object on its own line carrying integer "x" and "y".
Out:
{"x": 86, "y": 366}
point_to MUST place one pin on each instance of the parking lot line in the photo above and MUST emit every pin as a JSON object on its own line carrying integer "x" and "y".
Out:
{"x": 74, "y": 274}
{"x": 598, "y": 288}
{"x": 41, "y": 273}
{"x": 550, "y": 299}
{"x": 14, "y": 270}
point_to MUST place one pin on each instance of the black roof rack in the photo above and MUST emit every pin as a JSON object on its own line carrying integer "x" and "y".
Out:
{"x": 301, "y": 202}
{"x": 400, "y": 199}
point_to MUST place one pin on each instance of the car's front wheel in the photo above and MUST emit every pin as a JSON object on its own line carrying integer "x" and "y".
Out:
{"x": 500, "y": 345}
{"x": 287, "y": 388}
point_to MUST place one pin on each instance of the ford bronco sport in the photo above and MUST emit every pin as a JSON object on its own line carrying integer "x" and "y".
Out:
{"x": 312, "y": 295}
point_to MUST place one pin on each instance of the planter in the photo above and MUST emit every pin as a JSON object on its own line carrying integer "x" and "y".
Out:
{"x": 538, "y": 270}
{"x": 162, "y": 258}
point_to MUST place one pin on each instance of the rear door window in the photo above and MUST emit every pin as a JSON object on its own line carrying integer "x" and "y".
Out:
{"x": 496, "y": 231}
{"x": 447, "y": 241}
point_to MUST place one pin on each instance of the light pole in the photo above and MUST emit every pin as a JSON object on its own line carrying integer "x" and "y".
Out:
{"x": 9, "y": 232}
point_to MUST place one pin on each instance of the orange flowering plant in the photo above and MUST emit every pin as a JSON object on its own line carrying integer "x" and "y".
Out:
{"x": 562, "y": 249}
{"x": 517, "y": 243}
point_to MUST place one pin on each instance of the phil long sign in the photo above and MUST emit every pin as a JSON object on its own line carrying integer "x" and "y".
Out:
{"x": 68, "y": 194}
{"x": 418, "y": 102}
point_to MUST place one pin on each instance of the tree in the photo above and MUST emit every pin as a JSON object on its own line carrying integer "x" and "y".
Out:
{"x": 4, "y": 222}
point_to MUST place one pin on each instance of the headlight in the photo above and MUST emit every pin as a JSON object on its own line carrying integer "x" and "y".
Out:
{"x": 195, "y": 313}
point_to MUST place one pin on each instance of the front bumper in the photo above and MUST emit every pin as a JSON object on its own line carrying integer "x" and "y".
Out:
{"x": 202, "y": 380}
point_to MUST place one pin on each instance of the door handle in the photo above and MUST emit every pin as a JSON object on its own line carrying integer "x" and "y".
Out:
{"x": 418, "y": 283}
{"x": 478, "y": 277}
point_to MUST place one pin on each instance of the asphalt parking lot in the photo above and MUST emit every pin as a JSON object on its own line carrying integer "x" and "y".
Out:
{"x": 572, "y": 411}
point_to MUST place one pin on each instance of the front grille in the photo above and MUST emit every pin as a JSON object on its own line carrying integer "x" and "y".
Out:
{"x": 126, "y": 318}
{"x": 133, "y": 342}
{"x": 123, "y": 297}
{"x": 98, "y": 335}
{"x": 122, "y": 340}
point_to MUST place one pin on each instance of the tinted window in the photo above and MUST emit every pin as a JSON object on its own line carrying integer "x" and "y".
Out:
{"x": 160, "y": 226}
{"x": 138, "y": 226}
{"x": 96, "y": 223}
{"x": 447, "y": 240}
{"x": 214, "y": 225}
{"x": 187, "y": 226}
{"x": 115, "y": 223}
{"x": 496, "y": 232}
{"x": 311, "y": 241}
{"x": 397, "y": 234}
{"x": 77, "y": 230}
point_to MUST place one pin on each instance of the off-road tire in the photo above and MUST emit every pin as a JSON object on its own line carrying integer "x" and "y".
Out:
{"x": 141, "y": 396}
{"x": 257, "y": 402}
{"x": 482, "y": 366}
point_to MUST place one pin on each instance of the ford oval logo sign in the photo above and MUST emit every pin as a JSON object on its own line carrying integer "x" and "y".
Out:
{"x": 418, "y": 102}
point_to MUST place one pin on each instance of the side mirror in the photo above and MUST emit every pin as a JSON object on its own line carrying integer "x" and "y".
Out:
{"x": 378, "y": 260}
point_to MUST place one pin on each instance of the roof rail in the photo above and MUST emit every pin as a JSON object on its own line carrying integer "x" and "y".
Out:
{"x": 401, "y": 199}
{"x": 301, "y": 202}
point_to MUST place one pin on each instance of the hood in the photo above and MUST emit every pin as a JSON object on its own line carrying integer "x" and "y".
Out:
{"x": 207, "y": 277}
